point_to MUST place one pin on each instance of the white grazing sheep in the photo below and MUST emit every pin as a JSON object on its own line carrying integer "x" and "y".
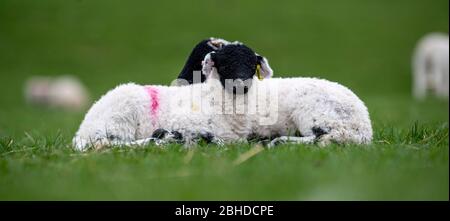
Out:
{"x": 430, "y": 66}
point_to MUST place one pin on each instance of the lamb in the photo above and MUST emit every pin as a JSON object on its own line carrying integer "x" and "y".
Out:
{"x": 430, "y": 66}
{"x": 194, "y": 61}
{"x": 315, "y": 110}
{"x": 133, "y": 114}
{"x": 191, "y": 72}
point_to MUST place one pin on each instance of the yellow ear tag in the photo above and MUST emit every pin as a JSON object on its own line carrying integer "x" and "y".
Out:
{"x": 258, "y": 72}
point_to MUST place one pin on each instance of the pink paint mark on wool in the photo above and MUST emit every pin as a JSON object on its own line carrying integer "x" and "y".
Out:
{"x": 153, "y": 93}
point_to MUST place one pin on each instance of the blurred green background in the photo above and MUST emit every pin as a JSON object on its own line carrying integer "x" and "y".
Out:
{"x": 364, "y": 45}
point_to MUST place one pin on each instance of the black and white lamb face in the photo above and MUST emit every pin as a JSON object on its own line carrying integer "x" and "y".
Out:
{"x": 236, "y": 65}
{"x": 194, "y": 61}
{"x": 193, "y": 64}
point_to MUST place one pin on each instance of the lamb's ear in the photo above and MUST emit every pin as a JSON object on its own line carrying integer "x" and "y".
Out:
{"x": 208, "y": 64}
{"x": 264, "y": 71}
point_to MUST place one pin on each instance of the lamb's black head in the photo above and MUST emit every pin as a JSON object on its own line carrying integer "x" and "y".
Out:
{"x": 236, "y": 65}
{"x": 194, "y": 61}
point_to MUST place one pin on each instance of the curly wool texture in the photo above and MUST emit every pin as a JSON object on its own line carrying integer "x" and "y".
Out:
{"x": 295, "y": 104}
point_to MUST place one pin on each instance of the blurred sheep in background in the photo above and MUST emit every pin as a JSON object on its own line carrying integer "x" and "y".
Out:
{"x": 430, "y": 66}
{"x": 64, "y": 92}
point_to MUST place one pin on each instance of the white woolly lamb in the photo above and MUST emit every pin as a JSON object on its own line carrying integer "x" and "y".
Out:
{"x": 130, "y": 113}
{"x": 431, "y": 66}
{"x": 316, "y": 110}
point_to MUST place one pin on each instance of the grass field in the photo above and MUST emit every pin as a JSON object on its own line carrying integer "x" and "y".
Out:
{"x": 365, "y": 45}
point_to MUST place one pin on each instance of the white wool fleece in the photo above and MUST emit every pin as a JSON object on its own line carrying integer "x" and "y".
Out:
{"x": 132, "y": 112}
